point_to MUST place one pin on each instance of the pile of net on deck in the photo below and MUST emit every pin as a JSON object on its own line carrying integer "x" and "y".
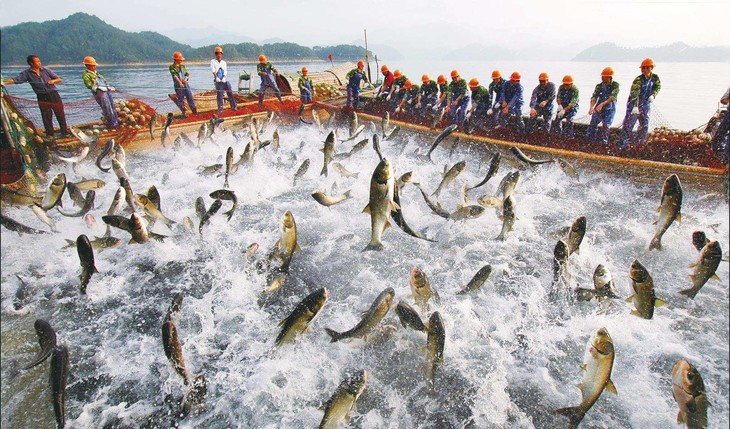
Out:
{"x": 133, "y": 111}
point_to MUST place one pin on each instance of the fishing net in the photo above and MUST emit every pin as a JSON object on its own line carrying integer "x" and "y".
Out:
{"x": 20, "y": 162}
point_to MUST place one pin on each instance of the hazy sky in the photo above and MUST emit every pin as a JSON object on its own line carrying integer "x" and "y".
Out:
{"x": 412, "y": 27}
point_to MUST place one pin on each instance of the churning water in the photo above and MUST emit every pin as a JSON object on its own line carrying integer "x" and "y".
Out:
{"x": 511, "y": 357}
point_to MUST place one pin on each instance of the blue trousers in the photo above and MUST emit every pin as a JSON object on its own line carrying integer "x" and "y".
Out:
{"x": 106, "y": 102}
{"x": 605, "y": 116}
{"x": 425, "y": 102}
{"x": 630, "y": 121}
{"x": 458, "y": 111}
{"x": 220, "y": 88}
{"x": 567, "y": 130}
{"x": 306, "y": 97}
{"x": 182, "y": 94}
{"x": 395, "y": 100}
{"x": 545, "y": 113}
{"x": 268, "y": 82}
{"x": 479, "y": 116}
{"x": 719, "y": 142}
{"x": 515, "y": 113}
{"x": 353, "y": 96}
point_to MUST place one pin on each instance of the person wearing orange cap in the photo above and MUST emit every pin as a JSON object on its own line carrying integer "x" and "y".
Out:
{"x": 219, "y": 68}
{"x": 495, "y": 92}
{"x": 43, "y": 82}
{"x": 268, "y": 75}
{"x": 444, "y": 98}
{"x": 643, "y": 90}
{"x": 387, "y": 85}
{"x": 396, "y": 94}
{"x": 567, "y": 101}
{"x": 305, "y": 87}
{"x": 354, "y": 78}
{"x": 481, "y": 101}
{"x": 720, "y": 142}
{"x": 180, "y": 77}
{"x": 460, "y": 98}
{"x": 512, "y": 102}
{"x": 603, "y": 107}
{"x": 427, "y": 95}
{"x": 541, "y": 103}
{"x": 102, "y": 92}
{"x": 409, "y": 97}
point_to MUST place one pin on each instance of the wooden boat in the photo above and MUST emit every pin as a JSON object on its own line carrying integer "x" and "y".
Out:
{"x": 696, "y": 164}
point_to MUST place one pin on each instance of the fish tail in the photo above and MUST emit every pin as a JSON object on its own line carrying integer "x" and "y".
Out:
{"x": 371, "y": 246}
{"x": 334, "y": 336}
{"x": 691, "y": 292}
{"x": 575, "y": 414}
{"x": 324, "y": 170}
{"x": 656, "y": 243}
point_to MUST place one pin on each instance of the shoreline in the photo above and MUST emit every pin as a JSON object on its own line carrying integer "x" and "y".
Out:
{"x": 233, "y": 62}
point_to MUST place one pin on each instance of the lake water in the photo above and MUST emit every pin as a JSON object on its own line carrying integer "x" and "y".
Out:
{"x": 511, "y": 356}
{"x": 690, "y": 92}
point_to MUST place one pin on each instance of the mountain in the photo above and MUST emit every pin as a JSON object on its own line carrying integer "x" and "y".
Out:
{"x": 676, "y": 52}
{"x": 69, "y": 40}
{"x": 475, "y": 50}
{"x": 382, "y": 51}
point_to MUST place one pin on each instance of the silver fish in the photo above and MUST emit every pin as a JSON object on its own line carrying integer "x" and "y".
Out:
{"x": 86, "y": 256}
{"x": 369, "y": 320}
{"x": 576, "y": 234}
{"x": 301, "y": 170}
{"x": 526, "y": 159}
{"x": 642, "y": 286}
{"x": 382, "y": 187}
{"x": 688, "y": 390}
{"x": 339, "y": 405}
{"x": 173, "y": 348}
{"x": 669, "y": 209}
{"x": 435, "y": 342}
{"x": 409, "y": 317}
{"x": 449, "y": 177}
{"x": 329, "y": 150}
{"x": 213, "y": 209}
{"x": 328, "y": 201}
{"x": 441, "y": 137}
{"x": 46, "y": 339}
{"x": 54, "y": 192}
{"x": 59, "y": 378}
{"x": 301, "y": 317}
{"x": 228, "y": 195}
{"x": 106, "y": 150}
{"x": 478, "y": 280}
{"x": 43, "y": 216}
{"x": 704, "y": 268}
{"x": 493, "y": 167}
{"x": 508, "y": 217}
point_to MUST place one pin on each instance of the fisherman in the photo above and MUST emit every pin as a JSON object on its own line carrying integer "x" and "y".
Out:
{"x": 305, "y": 87}
{"x": 495, "y": 92}
{"x": 603, "y": 106}
{"x": 459, "y": 98}
{"x": 427, "y": 95}
{"x": 410, "y": 95}
{"x": 567, "y": 108}
{"x": 719, "y": 142}
{"x": 354, "y": 77}
{"x": 644, "y": 89}
{"x": 443, "y": 99}
{"x": 387, "y": 85}
{"x": 541, "y": 103}
{"x": 102, "y": 92}
{"x": 219, "y": 68}
{"x": 43, "y": 81}
{"x": 180, "y": 78}
{"x": 512, "y": 102}
{"x": 268, "y": 75}
{"x": 480, "y": 103}
{"x": 396, "y": 95}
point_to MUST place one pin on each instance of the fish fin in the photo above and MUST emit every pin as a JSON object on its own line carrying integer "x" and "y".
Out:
{"x": 655, "y": 222}
{"x": 658, "y": 209}
{"x": 394, "y": 206}
{"x": 95, "y": 269}
{"x": 679, "y": 217}
{"x": 660, "y": 303}
{"x": 378, "y": 246}
{"x": 715, "y": 277}
{"x": 297, "y": 248}
{"x": 583, "y": 367}
{"x": 691, "y": 292}
{"x": 692, "y": 265}
{"x": 579, "y": 386}
{"x": 577, "y": 251}
{"x": 611, "y": 387}
{"x": 386, "y": 225}
{"x": 366, "y": 209}
{"x": 131, "y": 241}
{"x": 636, "y": 313}
{"x": 681, "y": 417}
{"x": 692, "y": 277}
{"x": 70, "y": 243}
{"x": 630, "y": 299}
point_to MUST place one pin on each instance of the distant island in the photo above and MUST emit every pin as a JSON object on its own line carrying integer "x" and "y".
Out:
{"x": 62, "y": 42}
{"x": 676, "y": 52}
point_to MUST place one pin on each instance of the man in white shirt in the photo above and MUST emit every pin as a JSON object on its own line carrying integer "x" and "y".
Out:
{"x": 219, "y": 68}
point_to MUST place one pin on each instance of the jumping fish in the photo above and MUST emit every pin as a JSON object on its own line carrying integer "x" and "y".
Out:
{"x": 369, "y": 320}
{"x": 597, "y": 366}
{"x": 86, "y": 256}
{"x": 337, "y": 408}
{"x": 526, "y": 159}
{"x": 382, "y": 186}
{"x": 669, "y": 209}
{"x": 46, "y": 339}
{"x": 435, "y": 342}
{"x": 441, "y": 137}
{"x": 493, "y": 167}
{"x": 704, "y": 268}
{"x": 301, "y": 317}
{"x": 228, "y": 195}
{"x": 478, "y": 280}
{"x": 59, "y": 378}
